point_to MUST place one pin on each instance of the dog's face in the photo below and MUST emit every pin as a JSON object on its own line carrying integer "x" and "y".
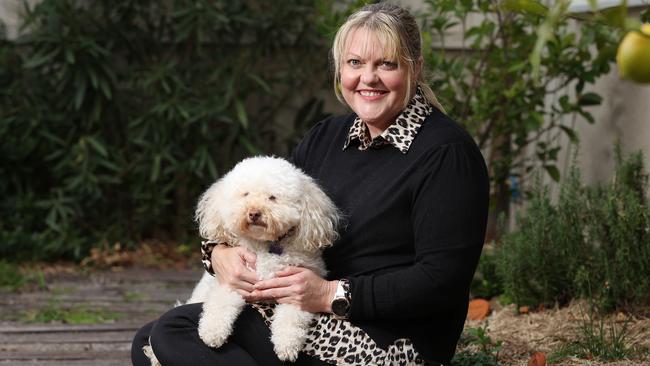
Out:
{"x": 264, "y": 199}
{"x": 260, "y": 212}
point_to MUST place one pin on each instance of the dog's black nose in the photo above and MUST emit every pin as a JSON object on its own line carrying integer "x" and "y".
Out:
{"x": 254, "y": 215}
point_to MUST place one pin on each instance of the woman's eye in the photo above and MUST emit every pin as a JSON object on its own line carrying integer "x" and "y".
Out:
{"x": 389, "y": 65}
{"x": 272, "y": 198}
{"x": 353, "y": 62}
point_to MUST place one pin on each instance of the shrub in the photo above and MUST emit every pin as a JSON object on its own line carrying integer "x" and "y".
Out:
{"x": 114, "y": 116}
{"x": 618, "y": 230}
{"x": 595, "y": 242}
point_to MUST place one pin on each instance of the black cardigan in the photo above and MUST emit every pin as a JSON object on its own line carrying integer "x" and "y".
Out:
{"x": 413, "y": 230}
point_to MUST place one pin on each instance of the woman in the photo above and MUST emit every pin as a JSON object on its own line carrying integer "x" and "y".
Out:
{"x": 414, "y": 188}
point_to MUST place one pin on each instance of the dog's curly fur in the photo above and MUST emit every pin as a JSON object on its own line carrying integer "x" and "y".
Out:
{"x": 261, "y": 200}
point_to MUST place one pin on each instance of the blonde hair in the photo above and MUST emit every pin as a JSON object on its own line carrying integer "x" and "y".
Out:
{"x": 399, "y": 34}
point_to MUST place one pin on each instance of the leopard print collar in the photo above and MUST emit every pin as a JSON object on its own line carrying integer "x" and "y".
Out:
{"x": 400, "y": 134}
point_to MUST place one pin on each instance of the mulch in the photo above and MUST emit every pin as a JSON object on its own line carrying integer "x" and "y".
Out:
{"x": 550, "y": 330}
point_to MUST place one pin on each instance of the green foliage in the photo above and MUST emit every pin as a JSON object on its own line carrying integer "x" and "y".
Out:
{"x": 13, "y": 278}
{"x": 488, "y": 83}
{"x": 598, "y": 338}
{"x": 115, "y": 115}
{"x": 486, "y": 282}
{"x": 10, "y": 276}
{"x": 619, "y": 230}
{"x": 479, "y": 349}
{"x": 594, "y": 243}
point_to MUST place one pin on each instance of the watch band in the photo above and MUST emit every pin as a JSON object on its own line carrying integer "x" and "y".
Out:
{"x": 342, "y": 299}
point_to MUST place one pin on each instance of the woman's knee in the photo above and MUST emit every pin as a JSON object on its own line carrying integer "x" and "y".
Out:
{"x": 175, "y": 327}
{"x": 140, "y": 340}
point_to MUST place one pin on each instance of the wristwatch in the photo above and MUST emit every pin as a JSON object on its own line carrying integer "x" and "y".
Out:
{"x": 342, "y": 300}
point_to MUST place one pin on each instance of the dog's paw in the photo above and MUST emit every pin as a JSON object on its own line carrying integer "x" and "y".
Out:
{"x": 287, "y": 352}
{"x": 212, "y": 336}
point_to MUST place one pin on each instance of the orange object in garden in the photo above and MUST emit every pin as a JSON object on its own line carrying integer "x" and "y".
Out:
{"x": 537, "y": 359}
{"x": 478, "y": 309}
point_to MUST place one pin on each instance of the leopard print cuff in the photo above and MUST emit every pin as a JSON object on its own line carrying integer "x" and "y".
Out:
{"x": 206, "y": 254}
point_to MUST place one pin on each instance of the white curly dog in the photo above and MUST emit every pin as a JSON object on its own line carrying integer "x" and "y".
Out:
{"x": 272, "y": 208}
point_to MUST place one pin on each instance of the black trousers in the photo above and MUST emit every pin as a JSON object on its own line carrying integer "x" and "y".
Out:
{"x": 175, "y": 341}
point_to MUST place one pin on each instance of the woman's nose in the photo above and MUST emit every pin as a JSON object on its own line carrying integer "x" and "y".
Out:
{"x": 369, "y": 75}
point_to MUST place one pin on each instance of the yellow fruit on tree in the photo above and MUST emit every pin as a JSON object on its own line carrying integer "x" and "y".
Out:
{"x": 633, "y": 56}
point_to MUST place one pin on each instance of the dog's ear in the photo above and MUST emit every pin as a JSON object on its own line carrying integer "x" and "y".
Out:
{"x": 319, "y": 218}
{"x": 211, "y": 224}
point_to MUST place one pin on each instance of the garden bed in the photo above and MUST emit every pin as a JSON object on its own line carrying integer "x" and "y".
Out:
{"x": 556, "y": 333}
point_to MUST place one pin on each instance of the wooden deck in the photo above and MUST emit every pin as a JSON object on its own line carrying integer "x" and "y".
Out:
{"x": 120, "y": 303}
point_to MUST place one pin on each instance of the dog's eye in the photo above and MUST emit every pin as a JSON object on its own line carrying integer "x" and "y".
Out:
{"x": 245, "y": 194}
{"x": 272, "y": 198}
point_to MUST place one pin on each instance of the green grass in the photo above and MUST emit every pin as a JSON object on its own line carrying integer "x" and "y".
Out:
{"x": 599, "y": 339}
{"x": 12, "y": 277}
{"x": 131, "y": 296}
{"x": 54, "y": 312}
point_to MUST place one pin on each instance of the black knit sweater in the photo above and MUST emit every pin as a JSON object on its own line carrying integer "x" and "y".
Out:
{"x": 413, "y": 230}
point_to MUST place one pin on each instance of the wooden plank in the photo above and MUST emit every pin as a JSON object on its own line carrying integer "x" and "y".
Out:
{"x": 67, "y": 337}
{"x": 88, "y": 355}
{"x": 53, "y": 328}
{"x": 136, "y": 306}
{"x": 108, "y": 362}
{"x": 65, "y": 347}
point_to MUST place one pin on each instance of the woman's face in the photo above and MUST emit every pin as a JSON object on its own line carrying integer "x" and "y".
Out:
{"x": 372, "y": 85}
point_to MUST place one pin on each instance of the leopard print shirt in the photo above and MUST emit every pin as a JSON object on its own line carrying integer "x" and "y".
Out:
{"x": 400, "y": 134}
{"x": 339, "y": 342}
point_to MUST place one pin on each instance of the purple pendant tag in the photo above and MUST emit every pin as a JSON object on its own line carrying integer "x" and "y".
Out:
{"x": 275, "y": 248}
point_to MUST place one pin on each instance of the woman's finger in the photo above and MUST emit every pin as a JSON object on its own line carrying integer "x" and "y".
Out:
{"x": 289, "y": 270}
{"x": 271, "y": 294}
{"x": 246, "y": 275}
{"x": 249, "y": 258}
{"x": 274, "y": 283}
{"x": 242, "y": 285}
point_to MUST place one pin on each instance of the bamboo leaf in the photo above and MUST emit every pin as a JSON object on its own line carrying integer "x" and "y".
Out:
{"x": 155, "y": 168}
{"x": 69, "y": 56}
{"x": 97, "y": 146}
{"x": 260, "y": 82}
{"x": 40, "y": 59}
{"x": 242, "y": 117}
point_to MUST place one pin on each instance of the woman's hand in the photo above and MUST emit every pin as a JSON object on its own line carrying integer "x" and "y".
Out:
{"x": 298, "y": 286}
{"x": 235, "y": 268}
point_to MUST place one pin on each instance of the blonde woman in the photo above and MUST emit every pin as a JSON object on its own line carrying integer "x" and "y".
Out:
{"x": 414, "y": 188}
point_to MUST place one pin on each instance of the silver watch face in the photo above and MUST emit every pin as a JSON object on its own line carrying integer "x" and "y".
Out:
{"x": 340, "y": 306}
